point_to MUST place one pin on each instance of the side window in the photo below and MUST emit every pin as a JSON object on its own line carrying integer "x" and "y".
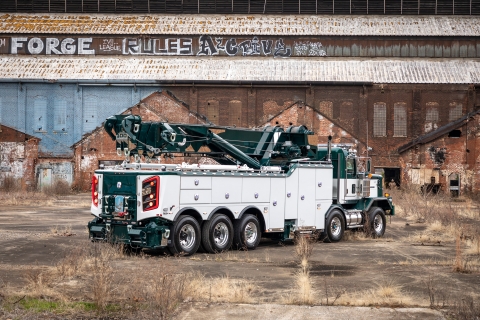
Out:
{"x": 89, "y": 114}
{"x": 212, "y": 111}
{"x": 455, "y": 111}
{"x": 431, "y": 117}
{"x": 326, "y": 108}
{"x": 399, "y": 119}
{"x": 235, "y": 113}
{"x": 40, "y": 114}
{"x": 60, "y": 116}
{"x": 380, "y": 119}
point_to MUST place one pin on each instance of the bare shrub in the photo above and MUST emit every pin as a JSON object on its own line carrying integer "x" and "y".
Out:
{"x": 59, "y": 188}
{"x": 303, "y": 293}
{"x": 10, "y": 184}
{"x": 438, "y": 298}
{"x": 466, "y": 308}
{"x": 303, "y": 251}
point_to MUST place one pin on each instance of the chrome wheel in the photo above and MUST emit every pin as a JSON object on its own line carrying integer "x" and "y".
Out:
{"x": 220, "y": 234}
{"x": 378, "y": 224}
{"x": 336, "y": 226}
{"x": 250, "y": 233}
{"x": 187, "y": 237}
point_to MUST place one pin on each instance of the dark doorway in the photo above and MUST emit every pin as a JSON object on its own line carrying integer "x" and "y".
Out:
{"x": 392, "y": 177}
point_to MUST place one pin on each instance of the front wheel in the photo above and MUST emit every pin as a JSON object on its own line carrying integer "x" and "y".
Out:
{"x": 377, "y": 222}
{"x": 335, "y": 226}
{"x": 247, "y": 233}
{"x": 185, "y": 236}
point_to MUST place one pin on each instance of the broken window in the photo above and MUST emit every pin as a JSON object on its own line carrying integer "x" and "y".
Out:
{"x": 235, "y": 113}
{"x": 60, "y": 116}
{"x": 212, "y": 111}
{"x": 399, "y": 119}
{"x": 455, "y": 134}
{"x": 89, "y": 114}
{"x": 326, "y": 108}
{"x": 380, "y": 119}
{"x": 40, "y": 114}
{"x": 431, "y": 118}
{"x": 455, "y": 111}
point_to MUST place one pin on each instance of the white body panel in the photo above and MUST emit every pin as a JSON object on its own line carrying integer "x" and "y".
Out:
{"x": 304, "y": 196}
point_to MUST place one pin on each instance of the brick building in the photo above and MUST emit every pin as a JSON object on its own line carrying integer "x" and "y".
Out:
{"x": 375, "y": 74}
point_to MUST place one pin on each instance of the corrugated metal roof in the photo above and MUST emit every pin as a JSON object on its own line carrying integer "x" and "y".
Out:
{"x": 454, "y": 71}
{"x": 291, "y": 25}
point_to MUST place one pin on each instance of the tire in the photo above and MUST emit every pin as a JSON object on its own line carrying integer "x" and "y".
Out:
{"x": 335, "y": 226}
{"x": 217, "y": 234}
{"x": 247, "y": 233}
{"x": 376, "y": 223}
{"x": 186, "y": 236}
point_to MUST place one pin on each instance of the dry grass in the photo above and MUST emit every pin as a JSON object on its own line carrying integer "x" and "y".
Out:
{"x": 224, "y": 289}
{"x": 387, "y": 293}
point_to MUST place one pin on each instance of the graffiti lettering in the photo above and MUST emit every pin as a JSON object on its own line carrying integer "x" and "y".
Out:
{"x": 109, "y": 45}
{"x": 203, "y": 45}
{"x": 231, "y": 47}
{"x": 51, "y": 46}
{"x": 309, "y": 49}
{"x": 267, "y": 47}
{"x": 246, "y": 47}
{"x": 281, "y": 50}
{"x": 207, "y": 47}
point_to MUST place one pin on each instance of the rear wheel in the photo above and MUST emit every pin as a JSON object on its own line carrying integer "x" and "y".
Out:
{"x": 335, "y": 226}
{"x": 247, "y": 232}
{"x": 185, "y": 236}
{"x": 377, "y": 222}
{"x": 217, "y": 234}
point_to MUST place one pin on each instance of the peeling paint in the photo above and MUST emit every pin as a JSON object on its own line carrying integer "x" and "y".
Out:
{"x": 241, "y": 24}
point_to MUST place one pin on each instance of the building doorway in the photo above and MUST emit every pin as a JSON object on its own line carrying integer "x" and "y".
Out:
{"x": 454, "y": 184}
{"x": 391, "y": 177}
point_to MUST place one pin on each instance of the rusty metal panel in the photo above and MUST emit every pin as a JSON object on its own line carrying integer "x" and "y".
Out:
{"x": 447, "y": 50}
{"x": 438, "y": 49}
{"x": 379, "y": 48}
{"x": 247, "y": 69}
{"x": 240, "y": 24}
{"x": 404, "y": 48}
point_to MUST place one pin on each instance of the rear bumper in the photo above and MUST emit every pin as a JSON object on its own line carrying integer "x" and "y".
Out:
{"x": 152, "y": 235}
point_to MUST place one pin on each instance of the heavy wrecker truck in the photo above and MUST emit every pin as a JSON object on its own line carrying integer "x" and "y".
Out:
{"x": 266, "y": 182}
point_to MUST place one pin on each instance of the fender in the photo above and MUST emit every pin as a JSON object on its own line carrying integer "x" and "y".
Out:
{"x": 248, "y": 208}
{"x": 333, "y": 207}
{"x": 181, "y": 211}
{"x": 214, "y": 211}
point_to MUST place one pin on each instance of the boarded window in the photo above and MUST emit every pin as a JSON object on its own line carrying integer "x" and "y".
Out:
{"x": 431, "y": 117}
{"x": 455, "y": 111}
{"x": 380, "y": 119}
{"x": 326, "y": 108}
{"x": 400, "y": 119}
{"x": 90, "y": 116}
{"x": 212, "y": 111}
{"x": 40, "y": 113}
{"x": 60, "y": 116}
{"x": 235, "y": 113}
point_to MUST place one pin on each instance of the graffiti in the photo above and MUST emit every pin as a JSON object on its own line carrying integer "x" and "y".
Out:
{"x": 109, "y": 45}
{"x": 52, "y": 46}
{"x": 169, "y": 46}
{"x": 249, "y": 47}
{"x": 203, "y": 45}
{"x": 308, "y": 48}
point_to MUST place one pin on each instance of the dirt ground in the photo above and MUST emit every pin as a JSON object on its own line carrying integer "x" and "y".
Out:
{"x": 347, "y": 272}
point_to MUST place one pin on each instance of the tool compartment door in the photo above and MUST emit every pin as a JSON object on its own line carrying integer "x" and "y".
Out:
{"x": 306, "y": 197}
{"x": 277, "y": 203}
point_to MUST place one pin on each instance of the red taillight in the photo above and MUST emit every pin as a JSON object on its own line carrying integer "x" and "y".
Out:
{"x": 150, "y": 193}
{"x": 95, "y": 191}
